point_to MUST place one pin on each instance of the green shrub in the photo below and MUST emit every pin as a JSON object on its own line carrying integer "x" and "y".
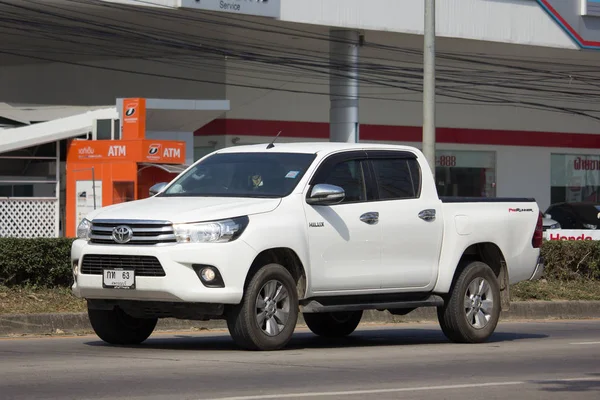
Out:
{"x": 46, "y": 262}
{"x": 571, "y": 260}
{"x": 37, "y": 262}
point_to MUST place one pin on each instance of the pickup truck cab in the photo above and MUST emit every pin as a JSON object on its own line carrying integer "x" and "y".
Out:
{"x": 257, "y": 234}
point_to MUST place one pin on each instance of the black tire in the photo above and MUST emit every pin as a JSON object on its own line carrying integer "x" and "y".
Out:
{"x": 454, "y": 315}
{"x": 243, "y": 319}
{"x": 333, "y": 324}
{"x": 118, "y": 328}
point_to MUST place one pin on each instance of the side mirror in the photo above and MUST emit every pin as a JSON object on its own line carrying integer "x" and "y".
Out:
{"x": 324, "y": 194}
{"x": 156, "y": 189}
{"x": 548, "y": 216}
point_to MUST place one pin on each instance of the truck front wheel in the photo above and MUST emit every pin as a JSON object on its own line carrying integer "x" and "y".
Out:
{"x": 266, "y": 318}
{"x": 472, "y": 310}
{"x": 333, "y": 324}
{"x": 116, "y": 327}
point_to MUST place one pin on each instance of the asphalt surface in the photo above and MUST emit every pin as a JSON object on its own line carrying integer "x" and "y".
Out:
{"x": 529, "y": 360}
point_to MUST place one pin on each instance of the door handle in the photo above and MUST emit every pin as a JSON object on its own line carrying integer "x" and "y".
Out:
{"x": 371, "y": 218}
{"x": 427, "y": 215}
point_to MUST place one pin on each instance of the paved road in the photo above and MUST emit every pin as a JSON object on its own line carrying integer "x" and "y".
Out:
{"x": 535, "y": 360}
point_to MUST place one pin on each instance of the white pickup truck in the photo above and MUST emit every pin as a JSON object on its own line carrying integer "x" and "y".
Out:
{"x": 257, "y": 234}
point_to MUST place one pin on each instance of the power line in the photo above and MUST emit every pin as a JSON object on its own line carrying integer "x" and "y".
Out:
{"x": 294, "y": 62}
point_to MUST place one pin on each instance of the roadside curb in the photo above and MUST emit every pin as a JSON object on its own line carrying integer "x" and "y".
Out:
{"x": 48, "y": 324}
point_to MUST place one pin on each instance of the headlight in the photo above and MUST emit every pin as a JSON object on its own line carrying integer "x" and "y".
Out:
{"x": 555, "y": 226}
{"x": 83, "y": 230}
{"x": 590, "y": 226}
{"x": 211, "y": 232}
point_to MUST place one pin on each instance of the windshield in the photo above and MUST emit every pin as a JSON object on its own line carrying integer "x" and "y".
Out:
{"x": 243, "y": 175}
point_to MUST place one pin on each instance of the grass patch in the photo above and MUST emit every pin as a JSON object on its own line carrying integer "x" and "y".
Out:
{"x": 38, "y": 301}
{"x": 42, "y": 300}
{"x": 555, "y": 290}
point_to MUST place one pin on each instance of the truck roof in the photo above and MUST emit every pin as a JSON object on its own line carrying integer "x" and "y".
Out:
{"x": 313, "y": 147}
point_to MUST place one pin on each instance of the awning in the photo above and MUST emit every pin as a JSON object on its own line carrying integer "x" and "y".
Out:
{"x": 52, "y": 131}
{"x": 171, "y": 168}
{"x": 173, "y": 115}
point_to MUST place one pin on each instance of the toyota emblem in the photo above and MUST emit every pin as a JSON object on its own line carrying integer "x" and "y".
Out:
{"x": 122, "y": 234}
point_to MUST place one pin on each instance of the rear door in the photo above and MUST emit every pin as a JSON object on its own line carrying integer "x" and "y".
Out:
{"x": 411, "y": 224}
{"x": 345, "y": 251}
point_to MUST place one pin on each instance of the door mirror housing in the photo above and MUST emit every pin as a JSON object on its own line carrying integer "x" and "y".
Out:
{"x": 156, "y": 189}
{"x": 324, "y": 195}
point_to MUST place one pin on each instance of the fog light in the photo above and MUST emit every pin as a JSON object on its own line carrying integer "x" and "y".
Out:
{"x": 75, "y": 267}
{"x": 208, "y": 274}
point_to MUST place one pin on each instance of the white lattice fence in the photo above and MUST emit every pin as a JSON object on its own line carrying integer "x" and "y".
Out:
{"x": 27, "y": 218}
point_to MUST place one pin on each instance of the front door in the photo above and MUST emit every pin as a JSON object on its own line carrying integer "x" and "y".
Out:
{"x": 345, "y": 250}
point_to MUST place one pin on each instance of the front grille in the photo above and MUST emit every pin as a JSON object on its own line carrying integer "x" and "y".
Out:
{"x": 144, "y": 232}
{"x": 92, "y": 264}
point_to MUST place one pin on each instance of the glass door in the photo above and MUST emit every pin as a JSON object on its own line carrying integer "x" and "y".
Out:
{"x": 466, "y": 173}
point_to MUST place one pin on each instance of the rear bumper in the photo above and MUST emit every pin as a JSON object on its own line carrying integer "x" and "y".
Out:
{"x": 539, "y": 269}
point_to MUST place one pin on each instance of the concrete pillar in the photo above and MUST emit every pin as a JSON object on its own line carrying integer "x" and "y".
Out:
{"x": 343, "y": 86}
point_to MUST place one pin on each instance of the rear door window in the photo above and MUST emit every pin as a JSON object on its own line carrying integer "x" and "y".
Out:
{"x": 397, "y": 178}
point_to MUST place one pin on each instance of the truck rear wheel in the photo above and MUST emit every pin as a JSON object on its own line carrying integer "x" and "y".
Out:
{"x": 116, "y": 327}
{"x": 472, "y": 310}
{"x": 333, "y": 324}
{"x": 266, "y": 318}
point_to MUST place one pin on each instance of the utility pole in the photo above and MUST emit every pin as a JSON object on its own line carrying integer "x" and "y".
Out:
{"x": 343, "y": 86}
{"x": 429, "y": 85}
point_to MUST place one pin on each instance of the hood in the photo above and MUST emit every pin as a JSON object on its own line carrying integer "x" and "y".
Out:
{"x": 186, "y": 209}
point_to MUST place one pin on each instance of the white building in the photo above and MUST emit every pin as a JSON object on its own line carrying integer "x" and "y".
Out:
{"x": 517, "y": 81}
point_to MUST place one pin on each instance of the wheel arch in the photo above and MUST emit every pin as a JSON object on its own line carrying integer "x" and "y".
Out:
{"x": 490, "y": 254}
{"x": 285, "y": 257}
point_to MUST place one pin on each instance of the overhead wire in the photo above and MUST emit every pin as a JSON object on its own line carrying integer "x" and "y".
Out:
{"x": 316, "y": 64}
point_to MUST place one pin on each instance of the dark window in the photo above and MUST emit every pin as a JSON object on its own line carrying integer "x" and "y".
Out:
{"x": 348, "y": 175}
{"x": 397, "y": 178}
{"x": 104, "y": 129}
{"x": 43, "y": 150}
{"x": 14, "y": 169}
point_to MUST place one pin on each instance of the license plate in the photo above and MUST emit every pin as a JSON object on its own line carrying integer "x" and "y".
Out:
{"x": 118, "y": 278}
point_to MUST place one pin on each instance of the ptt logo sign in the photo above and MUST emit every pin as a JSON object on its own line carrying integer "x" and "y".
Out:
{"x": 154, "y": 149}
{"x": 117, "y": 151}
{"x": 131, "y": 112}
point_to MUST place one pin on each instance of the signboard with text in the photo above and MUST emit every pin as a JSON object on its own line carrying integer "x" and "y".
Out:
{"x": 572, "y": 234}
{"x": 465, "y": 159}
{"x": 262, "y": 8}
{"x": 579, "y": 175}
{"x": 155, "y": 151}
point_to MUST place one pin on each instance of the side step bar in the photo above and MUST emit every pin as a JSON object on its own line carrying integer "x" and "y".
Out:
{"x": 314, "y": 306}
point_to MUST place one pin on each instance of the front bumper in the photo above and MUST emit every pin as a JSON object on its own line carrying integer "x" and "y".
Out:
{"x": 539, "y": 269}
{"x": 180, "y": 283}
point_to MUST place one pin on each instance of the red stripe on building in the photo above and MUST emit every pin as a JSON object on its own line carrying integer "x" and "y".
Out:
{"x": 320, "y": 130}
